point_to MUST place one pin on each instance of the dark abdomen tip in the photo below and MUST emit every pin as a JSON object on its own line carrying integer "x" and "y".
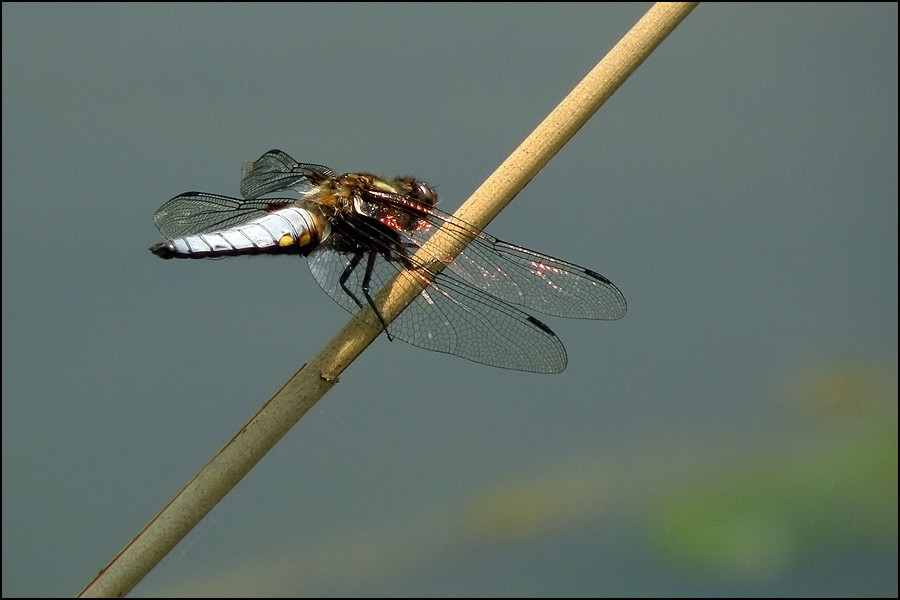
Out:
{"x": 163, "y": 250}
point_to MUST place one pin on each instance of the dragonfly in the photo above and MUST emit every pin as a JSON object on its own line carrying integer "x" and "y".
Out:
{"x": 359, "y": 231}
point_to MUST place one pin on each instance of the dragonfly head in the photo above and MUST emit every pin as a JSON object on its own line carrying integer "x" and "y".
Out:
{"x": 418, "y": 190}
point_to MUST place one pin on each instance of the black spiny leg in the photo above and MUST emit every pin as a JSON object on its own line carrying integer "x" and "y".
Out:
{"x": 367, "y": 278}
{"x": 351, "y": 266}
{"x": 370, "y": 266}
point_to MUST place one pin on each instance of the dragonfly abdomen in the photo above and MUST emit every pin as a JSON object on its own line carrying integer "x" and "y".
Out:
{"x": 291, "y": 230}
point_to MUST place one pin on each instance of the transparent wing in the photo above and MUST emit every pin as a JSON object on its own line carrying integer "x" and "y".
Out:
{"x": 512, "y": 273}
{"x": 275, "y": 171}
{"x": 197, "y": 212}
{"x": 449, "y": 316}
{"x": 538, "y": 281}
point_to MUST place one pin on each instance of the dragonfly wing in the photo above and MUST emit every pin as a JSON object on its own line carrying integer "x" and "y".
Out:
{"x": 198, "y": 212}
{"x": 275, "y": 171}
{"x": 449, "y": 316}
{"x": 538, "y": 281}
{"x": 521, "y": 276}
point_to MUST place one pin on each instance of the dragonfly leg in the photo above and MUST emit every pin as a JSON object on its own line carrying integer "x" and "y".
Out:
{"x": 348, "y": 270}
{"x": 367, "y": 278}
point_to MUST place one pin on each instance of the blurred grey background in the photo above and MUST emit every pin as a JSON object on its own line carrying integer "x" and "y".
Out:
{"x": 735, "y": 434}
